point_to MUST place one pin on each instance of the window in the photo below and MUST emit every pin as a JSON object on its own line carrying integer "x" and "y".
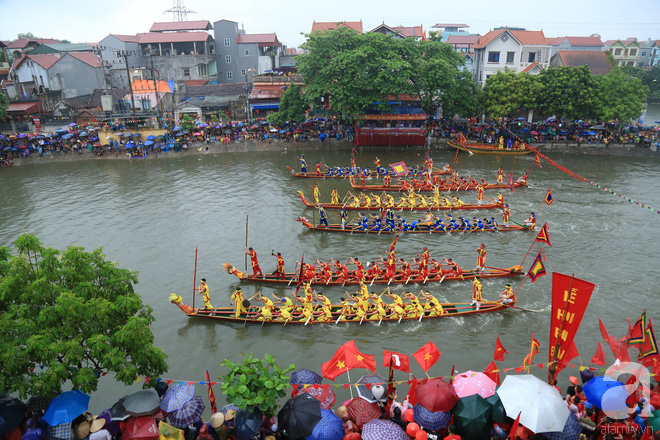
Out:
{"x": 243, "y": 72}
{"x": 226, "y": 41}
{"x": 643, "y": 54}
{"x": 185, "y": 72}
{"x": 617, "y": 52}
{"x": 228, "y": 59}
{"x": 509, "y": 57}
{"x": 633, "y": 52}
{"x": 247, "y": 53}
{"x": 201, "y": 70}
{"x": 532, "y": 57}
{"x": 493, "y": 57}
{"x": 230, "y": 75}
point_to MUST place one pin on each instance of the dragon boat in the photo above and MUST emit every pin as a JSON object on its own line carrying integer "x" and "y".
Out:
{"x": 352, "y": 207}
{"x": 252, "y": 316}
{"x": 420, "y": 229}
{"x": 426, "y": 186}
{"x": 489, "y": 149}
{"x": 348, "y": 172}
{"x": 399, "y": 278}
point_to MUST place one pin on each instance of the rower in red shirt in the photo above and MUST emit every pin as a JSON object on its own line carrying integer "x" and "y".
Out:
{"x": 256, "y": 270}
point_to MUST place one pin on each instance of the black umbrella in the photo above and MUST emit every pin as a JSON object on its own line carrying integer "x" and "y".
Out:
{"x": 37, "y": 403}
{"x": 299, "y": 416}
{"x": 246, "y": 425}
{"x": 141, "y": 403}
{"x": 12, "y": 413}
{"x": 117, "y": 412}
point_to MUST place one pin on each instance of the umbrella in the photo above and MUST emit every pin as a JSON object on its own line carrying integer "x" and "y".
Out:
{"x": 498, "y": 413}
{"x": 66, "y": 407}
{"x": 299, "y": 416}
{"x": 322, "y": 393}
{"x": 197, "y": 133}
{"x": 141, "y": 428}
{"x": 136, "y": 135}
{"x": 436, "y": 395}
{"x": 117, "y": 411}
{"x": 67, "y": 136}
{"x": 654, "y": 420}
{"x": 228, "y": 407}
{"x": 73, "y": 124}
{"x": 330, "y": 427}
{"x": 141, "y": 403}
{"x": 189, "y": 413}
{"x": 303, "y": 377}
{"x": 364, "y": 391}
{"x": 472, "y": 416}
{"x": 362, "y": 411}
{"x": 147, "y": 143}
{"x": 175, "y": 397}
{"x": 298, "y": 130}
{"x": 520, "y": 118}
{"x": 21, "y": 135}
{"x": 177, "y": 134}
{"x": 22, "y": 147}
{"x": 246, "y": 425}
{"x": 383, "y": 430}
{"x": 601, "y": 392}
{"x": 112, "y": 426}
{"x": 591, "y": 133}
{"x": 176, "y": 129}
{"x": 37, "y": 403}
{"x": 119, "y": 133}
{"x": 534, "y": 133}
{"x": 540, "y": 406}
{"x": 82, "y": 133}
{"x": 129, "y": 145}
{"x": 12, "y": 413}
{"x": 572, "y": 431}
{"x": 254, "y": 127}
{"x": 151, "y": 137}
{"x": 127, "y": 135}
{"x": 430, "y": 420}
{"x": 472, "y": 382}
{"x": 273, "y": 130}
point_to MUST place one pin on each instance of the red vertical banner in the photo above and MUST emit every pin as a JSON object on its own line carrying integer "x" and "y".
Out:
{"x": 570, "y": 298}
{"x": 214, "y": 408}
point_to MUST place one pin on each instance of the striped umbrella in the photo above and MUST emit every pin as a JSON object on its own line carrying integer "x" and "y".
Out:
{"x": 330, "y": 427}
{"x": 304, "y": 377}
{"x": 430, "y": 420}
{"x": 383, "y": 430}
{"x": 189, "y": 413}
{"x": 572, "y": 430}
{"x": 362, "y": 411}
{"x": 175, "y": 397}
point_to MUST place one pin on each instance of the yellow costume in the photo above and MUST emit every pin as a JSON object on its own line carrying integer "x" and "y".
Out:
{"x": 238, "y": 298}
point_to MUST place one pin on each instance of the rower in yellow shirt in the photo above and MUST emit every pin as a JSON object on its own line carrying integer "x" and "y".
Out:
{"x": 237, "y": 298}
{"x": 334, "y": 197}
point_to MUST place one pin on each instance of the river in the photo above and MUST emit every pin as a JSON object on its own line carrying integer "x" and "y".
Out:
{"x": 150, "y": 216}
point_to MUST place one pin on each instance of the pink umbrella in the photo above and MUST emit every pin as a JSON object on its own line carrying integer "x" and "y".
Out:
{"x": 472, "y": 382}
{"x": 533, "y": 133}
{"x": 197, "y": 133}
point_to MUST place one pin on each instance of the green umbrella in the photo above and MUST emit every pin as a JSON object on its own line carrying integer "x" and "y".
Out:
{"x": 552, "y": 132}
{"x": 654, "y": 420}
{"x": 472, "y": 417}
{"x": 499, "y": 414}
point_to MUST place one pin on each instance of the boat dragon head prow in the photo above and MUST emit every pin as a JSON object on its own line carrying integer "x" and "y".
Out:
{"x": 304, "y": 221}
{"x": 232, "y": 270}
{"x": 178, "y": 301}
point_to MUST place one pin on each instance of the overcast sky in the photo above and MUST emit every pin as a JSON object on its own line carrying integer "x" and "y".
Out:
{"x": 91, "y": 21}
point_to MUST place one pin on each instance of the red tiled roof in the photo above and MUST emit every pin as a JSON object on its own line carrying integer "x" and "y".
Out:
{"x": 45, "y": 60}
{"x": 173, "y": 37}
{"x": 596, "y": 61}
{"x": 462, "y": 39}
{"x": 193, "y": 25}
{"x": 262, "y": 40}
{"x": 87, "y": 58}
{"x": 196, "y": 82}
{"x": 524, "y": 37}
{"x": 294, "y": 51}
{"x": 22, "y": 43}
{"x": 329, "y": 25}
{"x": 127, "y": 38}
{"x": 531, "y": 66}
{"x": 410, "y": 31}
{"x": 576, "y": 41}
{"x": 147, "y": 86}
{"x": 24, "y": 107}
{"x": 266, "y": 94}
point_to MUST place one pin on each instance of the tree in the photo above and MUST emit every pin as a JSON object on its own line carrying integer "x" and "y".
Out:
{"x": 620, "y": 97}
{"x": 70, "y": 316}
{"x": 508, "y": 93}
{"x": 569, "y": 92}
{"x": 28, "y": 35}
{"x": 187, "y": 122}
{"x": 4, "y": 104}
{"x": 293, "y": 107}
{"x": 255, "y": 383}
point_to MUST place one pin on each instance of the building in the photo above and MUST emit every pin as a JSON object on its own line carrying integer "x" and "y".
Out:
{"x": 322, "y": 26}
{"x": 416, "y": 32}
{"x": 596, "y": 61}
{"x": 118, "y": 51}
{"x": 179, "y": 55}
{"x": 22, "y": 46}
{"x": 448, "y": 29}
{"x": 462, "y": 43}
{"x": 513, "y": 49}
{"x": 206, "y": 100}
{"x": 648, "y": 53}
{"x": 62, "y": 48}
{"x": 654, "y": 59}
{"x": 625, "y": 52}
{"x": 576, "y": 44}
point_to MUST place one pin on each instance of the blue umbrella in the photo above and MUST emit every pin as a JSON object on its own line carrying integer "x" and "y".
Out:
{"x": 22, "y": 135}
{"x": 147, "y": 143}
{"x": 13, "y": 149}
{"x": 562, "y": 133}
{"x": 304, "y": 377}
{"x": 330, "y": 427}
{"x": 82, "y": 133}
{"x": 247, "y": 425}
{"x": 67, "y": 136}
{"x": 129, "y": 145}
{"x": 176, "y": 129}
{"x": 73, "y": 124}
{"x": 591, "y": 133}
{"x": 597, "y": 391}
{"x": 524, "y": 129}
{"x": 175, "y": 397}
{"x": 151, "y": 137}
{"x": 136, "y": 134}
{"x": 572, "y": 430}
{"x": 431, "y": 420}
{"x": 66, "y": 407}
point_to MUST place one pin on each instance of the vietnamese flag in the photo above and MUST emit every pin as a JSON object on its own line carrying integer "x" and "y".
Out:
{"x": 400, "y": 361}
{"x": 599, "y": 357}
{"x": 514, "y": 428}
{"x": 493, "y": 372}
{"x": 500, "y": 351}
{"x": 346, "y": 358}
{"x": 427, "y": 356}
{"x": 609, "y": 339}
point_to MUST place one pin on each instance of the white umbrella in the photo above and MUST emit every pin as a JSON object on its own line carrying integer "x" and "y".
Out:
{"x": 540, "y": 405}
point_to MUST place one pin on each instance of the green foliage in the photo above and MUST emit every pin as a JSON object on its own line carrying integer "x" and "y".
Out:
{"x": 435, "y": 36}
{"x": 649, "y": 77}
{"x": 69, "y": 316}
{"x": 621, "y": 97}
{"x": 507, "y": 93}
{"x": 187, "y": 122}
{"x": 569, "y": 92}
{"x": 4, "y": 104}
{"x": 25, "y": 35}
{"x": 255, "y": 383}
{"x": 293, "y": 107}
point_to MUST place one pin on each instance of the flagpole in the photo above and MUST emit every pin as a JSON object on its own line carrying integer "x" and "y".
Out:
{"x": 350, "y": 386}
{"x": 531, "y": 358}
{"x": 552, "y": 366}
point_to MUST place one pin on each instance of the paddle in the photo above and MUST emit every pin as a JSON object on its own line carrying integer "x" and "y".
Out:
{"x": 525, "y": 310}
{"x": 307, "y": 322}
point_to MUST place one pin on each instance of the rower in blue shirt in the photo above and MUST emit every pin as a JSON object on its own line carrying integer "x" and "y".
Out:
{"x": 303, "y": 164}
{"x": 323, "y": 217}
{"x": 343, "y": 216}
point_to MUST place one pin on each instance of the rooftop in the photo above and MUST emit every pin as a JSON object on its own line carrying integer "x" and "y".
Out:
{"x": 87, "y": 58}
{"x": 321, "y": 26}
{"x": 462, "y": 39}
{"x": 523, "y": 37}
{"x": 263, "y": 40}
{"x": 22, "y": 43}
{"x": 410, "y": 31}
{"x": 576, "y": 41}
{"x": 193, "y": 25}
{"x": 596, "y": 61}
{"x": 174, "y": 37}
{"x": 446, "y": 25}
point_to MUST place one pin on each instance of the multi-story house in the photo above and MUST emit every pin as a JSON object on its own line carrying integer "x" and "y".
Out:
{"x": 646, "y": 52}
{"x": 592, "y": 43}
{"x": 517, "y": 50}
{"x": 625, "y": 52}
{"x": 654, "y": 59}
{"x": 20, "y": 47}
{"x": 596, "y": 61}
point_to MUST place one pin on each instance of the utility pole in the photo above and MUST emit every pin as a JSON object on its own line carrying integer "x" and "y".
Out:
{"x": 158, "y": 106}
{"x": 99, "y": 51}
{"x": 125, "y": 54}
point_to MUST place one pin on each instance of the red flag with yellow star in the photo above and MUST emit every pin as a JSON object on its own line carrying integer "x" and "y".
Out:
{"x": 427, "y": 356}
{"x": 500, "y": 351}
{"x": 346, "y": 358}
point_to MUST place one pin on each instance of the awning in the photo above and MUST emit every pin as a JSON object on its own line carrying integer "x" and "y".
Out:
{"x": 24, "y": 108}
{"x": 265, "y": 106}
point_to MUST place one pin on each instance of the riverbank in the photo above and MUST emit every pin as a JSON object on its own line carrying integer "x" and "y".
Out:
{"x": 611, "y": 150}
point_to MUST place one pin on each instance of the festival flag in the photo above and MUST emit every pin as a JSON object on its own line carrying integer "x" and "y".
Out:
{"x": 461, "y": 138}
{"x": 400, "y": 361}
{"x": 609, "y": 339}
{"x": 548, "y": 198}
{"x": 533, "y": 351}
{"x": 650, "y": 347}
{"x": 493, "y": 372}
{"x": 509, "y": 184}
{"x": 451, "y": 376}
{"x": 636, "y": 334}
{"x": 543, "y": 235}
{"x": 500, "y": 351}
{"x": 537, "y": 269}
{"x": 537, "y": 160}
{"x": 647, "y": 434}
{"x": 570, "y": 298}
{"x": 399, "y": 168}
{"x": 514, "y": 428}
{"x": 346, "y": 358}
{"x": 427, "y": 356}
{"x": 391, "y": 388}
{"x": 214, "y": 408}
{"x": 599, "y": 357}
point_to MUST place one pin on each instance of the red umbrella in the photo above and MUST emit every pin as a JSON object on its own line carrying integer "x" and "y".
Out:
{"x": 141, "y": 428}
{"x": 362, "y": 411}
{"x": 436, "y": 395}
{"x": 322, "y": 393}
{"x": 298, "y": 130}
